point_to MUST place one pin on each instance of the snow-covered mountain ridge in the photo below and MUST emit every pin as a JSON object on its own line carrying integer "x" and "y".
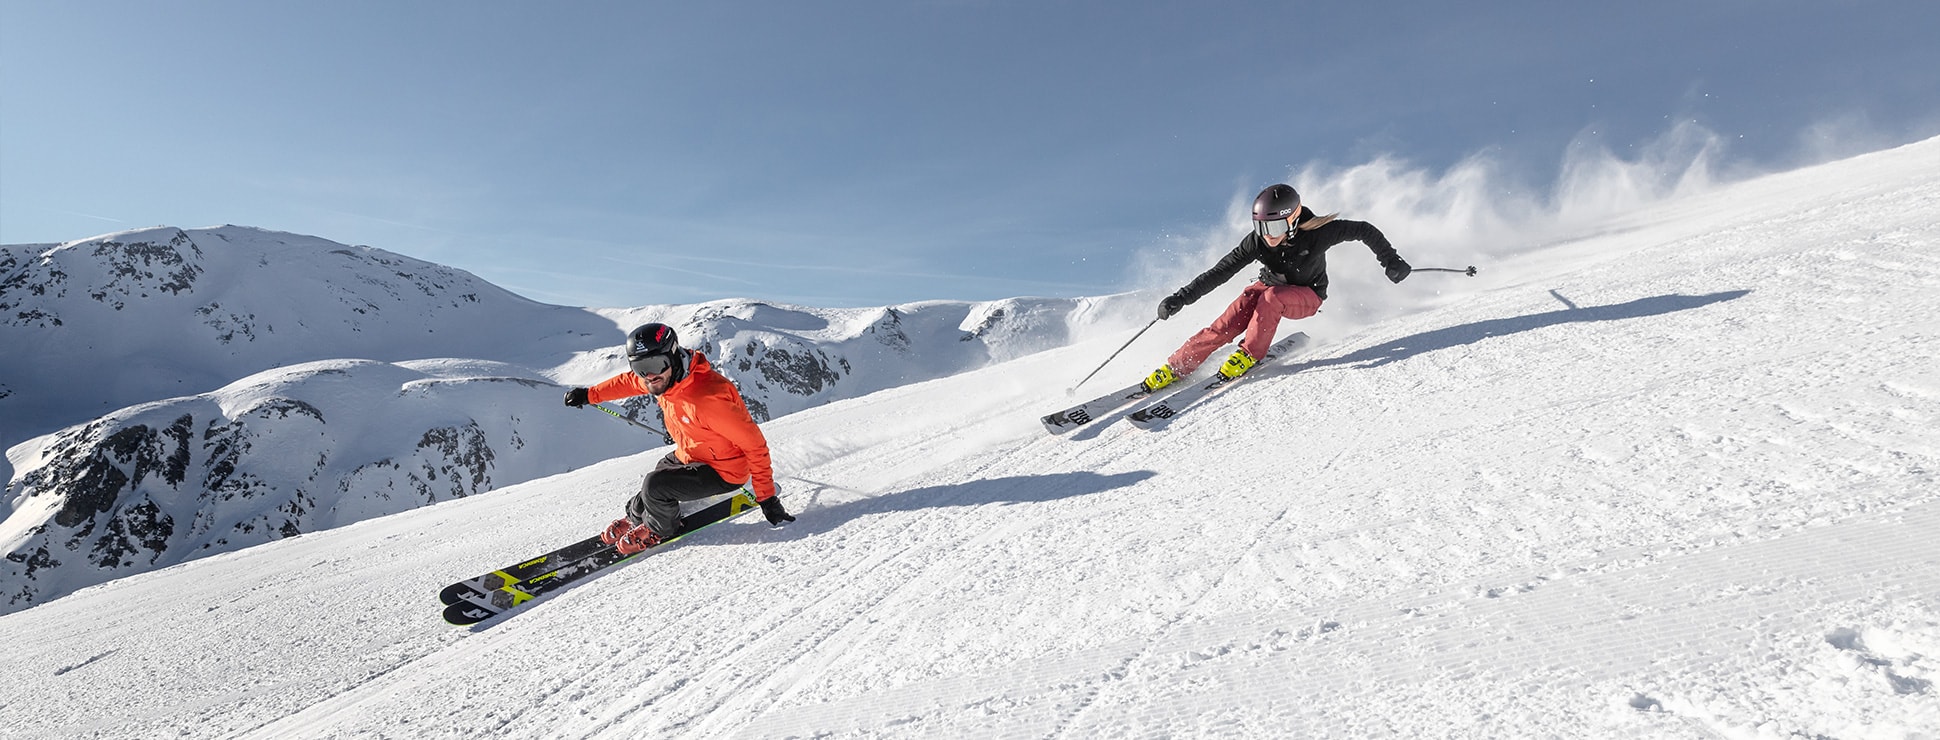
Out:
{"x": 166, "y": 394}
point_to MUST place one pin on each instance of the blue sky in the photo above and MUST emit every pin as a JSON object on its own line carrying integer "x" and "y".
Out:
{"x": 849, "y": 154}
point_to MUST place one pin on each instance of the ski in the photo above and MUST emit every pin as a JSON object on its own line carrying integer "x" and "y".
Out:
{"x": 474, "y": 606}
{"x": 1089, "y": 411}
{"x": 1155, "y": 414}
{"x": 482, "y": 586}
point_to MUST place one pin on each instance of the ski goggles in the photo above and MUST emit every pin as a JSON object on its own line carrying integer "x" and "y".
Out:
{"x": 647, "y": 365}
{"x": 1275, "y": 227}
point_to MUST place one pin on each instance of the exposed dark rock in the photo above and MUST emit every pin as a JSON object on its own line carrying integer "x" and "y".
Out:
{"x": 463, "y": 455}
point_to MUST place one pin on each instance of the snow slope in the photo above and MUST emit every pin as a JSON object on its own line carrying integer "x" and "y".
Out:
{"x": 1677, "y": 479}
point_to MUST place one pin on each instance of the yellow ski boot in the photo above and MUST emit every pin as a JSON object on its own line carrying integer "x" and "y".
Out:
{"x": 1160, "y": 378}
{"x": 1237, "y": 364}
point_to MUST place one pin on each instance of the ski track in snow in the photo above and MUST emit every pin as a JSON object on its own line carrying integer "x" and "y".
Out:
{"x": 1673, "y": 480}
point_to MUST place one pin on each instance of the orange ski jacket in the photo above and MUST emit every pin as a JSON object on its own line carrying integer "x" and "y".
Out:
{"x": 708, "y": 421}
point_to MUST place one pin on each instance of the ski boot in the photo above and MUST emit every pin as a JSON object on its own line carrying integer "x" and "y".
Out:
{"x": 1237, "y": 364}
{"x": 636, "y": 539}
{"x": 616, "y": 530}
{"x": 1160, "y": 378}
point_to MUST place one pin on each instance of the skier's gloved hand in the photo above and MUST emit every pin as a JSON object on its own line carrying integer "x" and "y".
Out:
{"x": 1170, "y": 305}
{"x": 1398, "y": 270}
{"x": 771, "y": 508}
{"x": 576, "y": 397}
{"x": 1272, "y": 278}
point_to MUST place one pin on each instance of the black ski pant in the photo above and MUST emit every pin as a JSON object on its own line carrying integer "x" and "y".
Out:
{"x": 670, "y": 483}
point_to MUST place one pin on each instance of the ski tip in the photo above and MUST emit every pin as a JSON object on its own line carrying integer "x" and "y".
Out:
{"x": 457, "y": 592}
{"x": 1067, "y": 420}
{"x": 467, "y": 614}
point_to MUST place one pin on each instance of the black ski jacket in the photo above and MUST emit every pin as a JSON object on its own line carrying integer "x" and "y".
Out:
{"x": 1301, "y": 260}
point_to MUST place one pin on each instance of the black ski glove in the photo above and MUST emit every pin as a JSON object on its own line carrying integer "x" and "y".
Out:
{"x": 1272, "y": 278}
{"x": 771, "y": 508}
{"x": 576, "y": 397}
{"x": 1170, "y": 305}
{"x": 1398, "y": 270}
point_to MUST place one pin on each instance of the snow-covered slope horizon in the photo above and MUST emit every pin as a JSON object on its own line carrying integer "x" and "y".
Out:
{"x": 1673, "y": 479}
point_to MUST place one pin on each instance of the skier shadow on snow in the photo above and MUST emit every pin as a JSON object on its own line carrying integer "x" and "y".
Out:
{"x": 1020, "y": 489}
{"x": 1456, "y": 336}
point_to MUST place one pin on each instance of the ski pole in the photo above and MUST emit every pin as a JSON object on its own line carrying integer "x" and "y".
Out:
{"x": 1114, "y": 355}
{"x": 1469, "y": 272}
{"x": 617, "y": 415}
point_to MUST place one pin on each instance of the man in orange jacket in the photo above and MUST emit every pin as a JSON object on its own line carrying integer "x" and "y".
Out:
{"x": 717, "y": 446}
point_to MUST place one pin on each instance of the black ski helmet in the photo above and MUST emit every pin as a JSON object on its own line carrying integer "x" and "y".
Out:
{"x": 1276, "y": 202}
{"x": 652, "y": 348}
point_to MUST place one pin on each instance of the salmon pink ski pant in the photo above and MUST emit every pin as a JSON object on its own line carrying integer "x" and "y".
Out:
{"x": 1257, "y": 312}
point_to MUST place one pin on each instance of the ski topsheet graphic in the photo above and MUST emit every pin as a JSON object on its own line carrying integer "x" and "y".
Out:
{"x": 1089, "y": 411}
{"x": 512, "y": 575}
